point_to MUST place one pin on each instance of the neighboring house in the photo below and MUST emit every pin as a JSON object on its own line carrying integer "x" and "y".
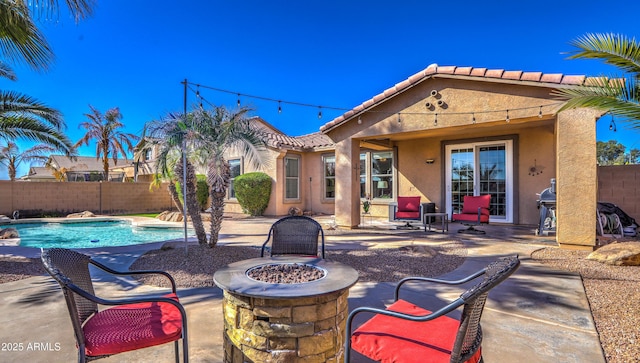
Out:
{"x": 443, "y": 133}
{"x": 78, "y": 169}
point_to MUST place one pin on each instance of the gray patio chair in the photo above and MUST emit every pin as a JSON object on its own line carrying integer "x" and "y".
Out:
{"x": 295, "y": 235}
{"x": 130, "y": 324}
{"x": 406, "y": 333}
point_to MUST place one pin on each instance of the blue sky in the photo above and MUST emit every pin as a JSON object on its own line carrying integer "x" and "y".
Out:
{"x": 134, "y": 54}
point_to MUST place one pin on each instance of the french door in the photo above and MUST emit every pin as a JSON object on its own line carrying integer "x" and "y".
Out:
{"x": 481, "y": 168}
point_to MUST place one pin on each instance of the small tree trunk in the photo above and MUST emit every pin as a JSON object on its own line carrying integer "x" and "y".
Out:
{"x": 174, "y": 195}
{"x": 193, "y": 208}
{"x": 218, "y": 178}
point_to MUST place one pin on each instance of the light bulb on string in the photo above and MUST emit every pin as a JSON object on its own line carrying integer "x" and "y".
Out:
{"x": 279, "y": 107}
{"x": 399, "y": 118}
{"x": 612, "y": 125}
{"x": 238, "y": 103}
{"x": 435, "y": 120}
{"x": 473, "y": 118}
{"x": 319, "y": 112}
{"x": 540, "y": 112}
{"x": 359, "y": 120}
{"x": 508, "y": 119}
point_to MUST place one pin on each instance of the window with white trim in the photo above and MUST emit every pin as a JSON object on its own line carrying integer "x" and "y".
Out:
{"x": 292, "y": 178}
{"x": 235, "y": 166}
{"x": 329, "y": 176}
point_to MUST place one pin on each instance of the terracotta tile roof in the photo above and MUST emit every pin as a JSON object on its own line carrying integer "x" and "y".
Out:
{"x": 434, "y": 70}
{"x": 277, "y": 139}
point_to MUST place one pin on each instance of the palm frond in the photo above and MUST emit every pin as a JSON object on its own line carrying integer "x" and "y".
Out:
{"x": 613, "y": 49}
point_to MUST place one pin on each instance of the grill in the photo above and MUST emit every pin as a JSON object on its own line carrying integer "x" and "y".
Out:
{"x": 547, "y": 206}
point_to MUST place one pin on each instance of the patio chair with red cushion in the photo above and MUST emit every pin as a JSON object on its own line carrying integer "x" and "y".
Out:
{"x": 407, "y": 209}
{"x": 405, "y": 332}
{"x": 130, "y": 324}
{"x": 475, "y": 211}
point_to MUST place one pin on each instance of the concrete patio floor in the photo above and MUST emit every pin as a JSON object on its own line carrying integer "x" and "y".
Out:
{"x": 537, "y": 315}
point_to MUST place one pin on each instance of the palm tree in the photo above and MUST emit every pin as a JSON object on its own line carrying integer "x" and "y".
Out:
{"x": 11, "y": 157}
{"x": 617, "y": 95}
{"x": 220, "y": 131}
{"x": 21, "y": 41}
{"x": 174, "y": 134}
{"x": 110, "y": 141}
{"x": 22, "y": 116}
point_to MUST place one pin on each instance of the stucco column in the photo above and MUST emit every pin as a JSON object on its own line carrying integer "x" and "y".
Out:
{"x": 347, "y": 203}
{"x": 576, "y": 178}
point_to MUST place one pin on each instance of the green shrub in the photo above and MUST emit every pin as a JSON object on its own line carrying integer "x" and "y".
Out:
{"x": 253, "y": 191}
{"x": 202, "y": 191}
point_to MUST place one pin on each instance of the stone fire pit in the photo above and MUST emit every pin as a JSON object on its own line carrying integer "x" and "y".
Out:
{"x": 296, "y": 314}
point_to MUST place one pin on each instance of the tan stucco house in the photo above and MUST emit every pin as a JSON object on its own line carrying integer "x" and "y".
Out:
{"x": 443, "y": 133}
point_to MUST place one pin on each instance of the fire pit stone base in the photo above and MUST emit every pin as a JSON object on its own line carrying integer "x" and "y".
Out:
{"x": 305, "y": 329}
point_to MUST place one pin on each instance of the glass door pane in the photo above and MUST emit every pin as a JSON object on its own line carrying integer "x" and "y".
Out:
{"x": 462, "y": 176}
{"x": 492, "y": 179}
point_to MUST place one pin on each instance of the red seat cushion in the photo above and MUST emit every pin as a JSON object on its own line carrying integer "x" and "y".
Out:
{"x": 470, "y": 217}
{"x": 388, "y": 339}
{"x": 129, "y": 327}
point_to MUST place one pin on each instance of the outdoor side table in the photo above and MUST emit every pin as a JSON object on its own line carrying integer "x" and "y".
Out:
{"x": 444, "y": 219}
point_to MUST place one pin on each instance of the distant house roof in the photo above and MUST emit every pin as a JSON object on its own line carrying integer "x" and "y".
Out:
{"x": 39, "y": 173}
{"x": 84, "y": 163}
{"x": 492, "y": 75}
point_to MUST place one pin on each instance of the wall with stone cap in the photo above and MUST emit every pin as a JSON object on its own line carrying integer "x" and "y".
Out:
{"x": 59, "y": 198}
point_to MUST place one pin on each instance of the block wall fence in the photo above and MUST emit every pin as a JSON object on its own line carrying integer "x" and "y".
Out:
{"x": 620, "y": 185}
{"x": 60, "y": 198}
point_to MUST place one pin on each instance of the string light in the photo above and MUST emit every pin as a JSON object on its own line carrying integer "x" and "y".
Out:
{"x": 359, "y": 120}
{"x": 435, "y": 120}
{"x": 612, "y": 125}
{"x": 345, "y": 110}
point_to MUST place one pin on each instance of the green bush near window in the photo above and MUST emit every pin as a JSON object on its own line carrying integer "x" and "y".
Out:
{"x": 253, "y": 191}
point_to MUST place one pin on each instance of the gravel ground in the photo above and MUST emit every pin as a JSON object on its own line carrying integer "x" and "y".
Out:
{"x": 614, "y": 297}
{"x": 613, "y": 291}
{"x": 196, "y": 268}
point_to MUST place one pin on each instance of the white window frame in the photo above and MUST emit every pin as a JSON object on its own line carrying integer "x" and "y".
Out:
{"x": 287, "y": 178}
{"x": 325, "y": 159}
{"x": 231, "y": 189}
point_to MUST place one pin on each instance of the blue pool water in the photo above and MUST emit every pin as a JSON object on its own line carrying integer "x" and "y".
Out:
{"x": 92, "y": 234}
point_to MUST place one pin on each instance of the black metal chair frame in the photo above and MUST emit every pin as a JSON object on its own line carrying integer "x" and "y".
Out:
{"x": 77, "y": 287}
{"x": 469, "y": 336}
{"x": 295, "y": 235}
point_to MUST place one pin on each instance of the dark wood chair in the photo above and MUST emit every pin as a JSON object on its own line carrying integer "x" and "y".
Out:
{"x": 405, "y": 332}
{"x": 475, "y": 211}
{"x": 129, "y": 324}
{"x": 295, "y": 235}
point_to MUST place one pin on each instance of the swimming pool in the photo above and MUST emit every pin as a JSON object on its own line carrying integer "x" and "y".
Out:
{"x": 92, "y": 234}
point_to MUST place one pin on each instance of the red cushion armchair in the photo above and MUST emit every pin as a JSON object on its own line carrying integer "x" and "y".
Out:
{"x": 407, "y": 333}
{"x": 129, "y": 324}
{"x": 475, "y": 211}
{"x": 407, "y": 209}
